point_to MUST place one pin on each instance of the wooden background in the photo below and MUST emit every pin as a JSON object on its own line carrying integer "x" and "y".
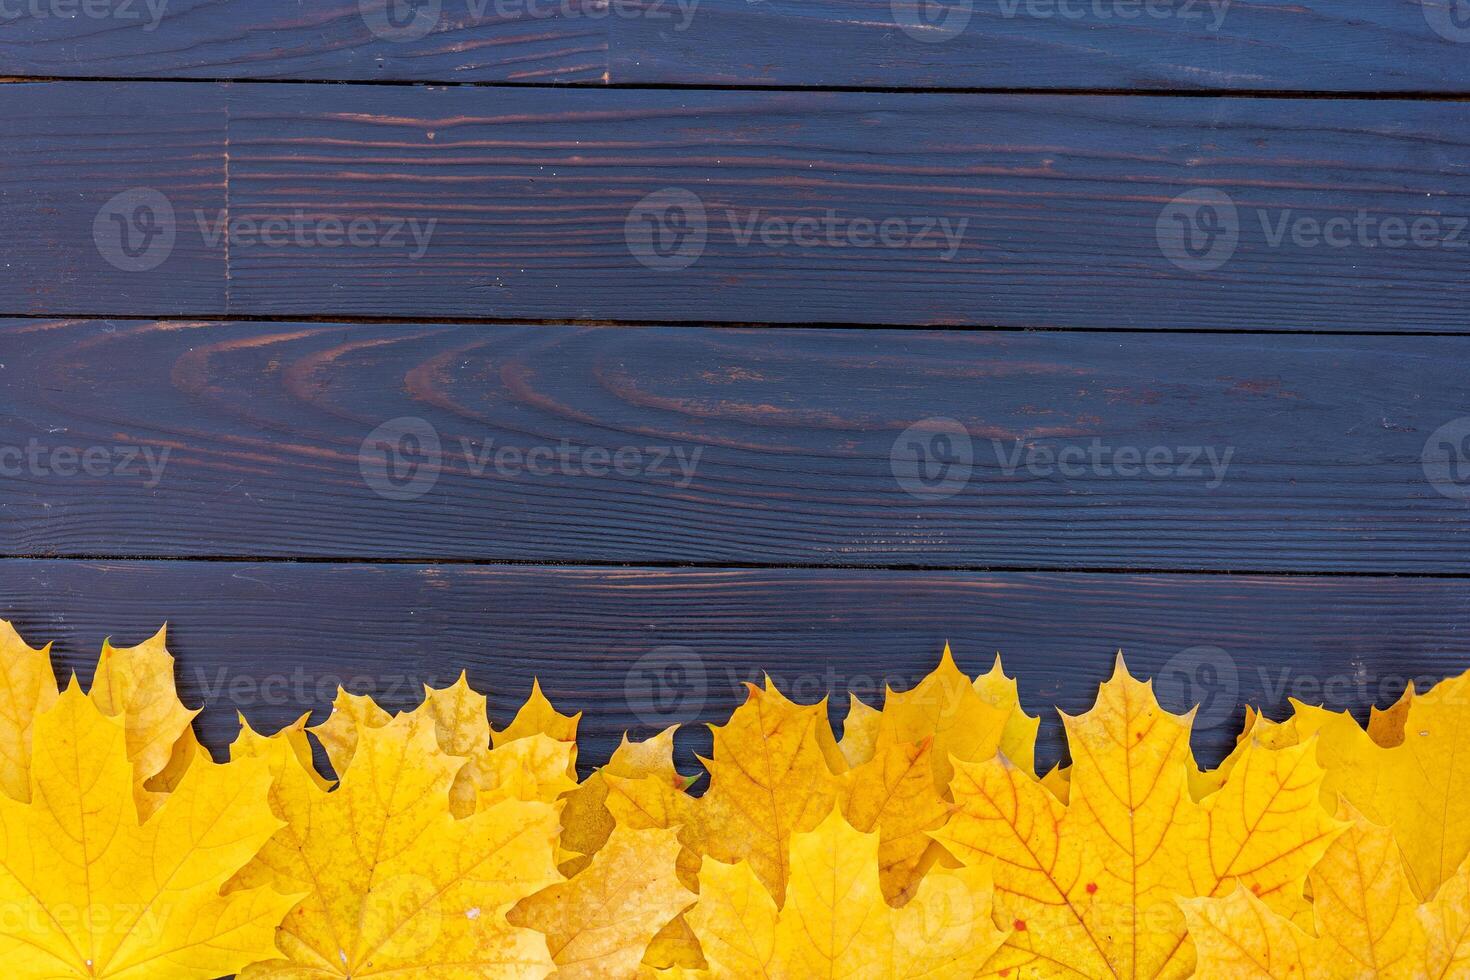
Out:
{"x": 188, "y": 432}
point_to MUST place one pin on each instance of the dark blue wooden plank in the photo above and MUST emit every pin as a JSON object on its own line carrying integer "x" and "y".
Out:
{"x": 1341, "y": 46}
{"x": 540, "y": 443}
{"x": 1027, "y": 211}
{"x": 274, "y": 639}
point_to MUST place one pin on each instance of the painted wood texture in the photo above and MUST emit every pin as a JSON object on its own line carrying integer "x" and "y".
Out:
{"x": 696, "y": 445}
{"x": 1033, "y": 211}
{"x": 640, "y": 648}
{"x": 1348, "y": 45}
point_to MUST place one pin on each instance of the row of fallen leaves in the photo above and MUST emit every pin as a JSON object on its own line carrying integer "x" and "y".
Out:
{"x": 921, "y": 844}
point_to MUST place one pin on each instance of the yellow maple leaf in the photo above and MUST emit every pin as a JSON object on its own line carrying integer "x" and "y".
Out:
{"x": 1401, "y": 773}
{"x": 531, "y": 766}
{"x": 1239, "y": 938}
{"x": 1386, "y": 725}
{"x": 1418, "y": 787}
{"x": 835, "y": 921}
{"x": 1090, "y": 885}
{"x": 587, "y": 822}
{"x": 90, "y": 890}
{"x": 900, "y": 758}
{"x": 538, "y": 763}
{"x": 462, "y": 728}
{"x": 859, "y": 732}
{"x": 901, "y": 789}
{"x": 397, "y": 883}
{"x": 461, "y": 721}
{"x": 1367, "y": 922}
{"x": 1018, "y": 737}
{"x": 1365, "y": 909}
{"x": 966, "y": 720}
{"x": 600, "y": 922}
{"x": 675, "y": 947}
{"x": 351, "y": 713}
{"x": 894, "y": 794}
{"x": 29, "y": 688}
{"x": 537, "y": 716}
{"x": 137, "y": 683}
{"x": 638, "y": 789}
{"x": 1446, "y": 924}
{"x": 774, "y": 773}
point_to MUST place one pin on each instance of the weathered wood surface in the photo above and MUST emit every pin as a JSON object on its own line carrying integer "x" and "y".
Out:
{"x": 637, "y": 648}
{"x": 1033, "y": 211}
{"x": 1346, "y": 45}
{"x": 695, "y": 445}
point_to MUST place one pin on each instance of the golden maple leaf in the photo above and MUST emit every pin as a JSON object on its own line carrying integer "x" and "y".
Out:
{"x": 834, "y": 920}
{"x": 859, "y": 732}
{"x": 398, "y": 884}
{"x": 351, "y": 713}
{"x": 894, "y": 795}
{"x": 529, "y": 766}
{"x": 91, "y": 890}
{"x": 901, "y": 788}
{"x": 137, "y": 683}
{"x": 30, "y": 688}
{"x": 600, "y": 922}
{"x": 1090, "y": 885}
{"x": 1368, "y": 923}
{"x": 588, "y": 821}
{"x": 774, "y": 773}
{"x": 538, "y": 717}
{"x": 966, "y": 719}
{"x": 1417, "y": 785}
{"x": 638, "y": 789}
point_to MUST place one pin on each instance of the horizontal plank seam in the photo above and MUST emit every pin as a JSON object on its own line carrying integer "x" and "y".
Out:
{"x": 729, "y": 565}
{"x": 522, "y": 321}
{"x": 1436, "y": 95}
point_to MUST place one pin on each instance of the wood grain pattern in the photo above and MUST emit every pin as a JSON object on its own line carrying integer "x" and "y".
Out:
{"x": 1053, "y": 205}
{"x": 273, "y": 639}
{"x": 752, "y": 446}
{"x": 1346, "y": 45}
